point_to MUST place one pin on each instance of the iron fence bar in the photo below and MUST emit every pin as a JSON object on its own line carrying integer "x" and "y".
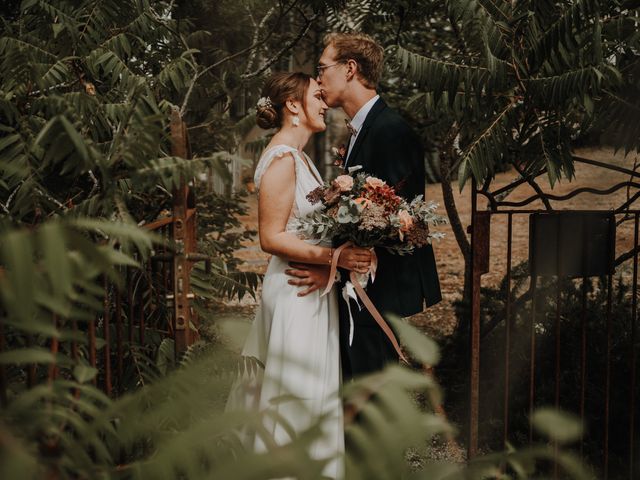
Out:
{"x": 474, "y": 334}
{"x": 129, "y": 276}
{"x": 119, "y": 347}
{"x": 608, "y": 377}
{"x": 557, "y": 340}
{"x": 530, "y": 211}
{"x": 607, "y": 166}
{"x": 106, "y": 351}
{"x": 92, "y": 347}
{"x": 583, "y": 337}
{"x": 31, "y": 368}
{"x": 561, "y": 198}
{"x": 634, "y": 316}
{"x": 74, "y": 344}
{"x": 141, "y": 319}
{"x": 532, "y": 357}
{"x": 507, "y": 339}
{"x": 53, "y": 368}
{"x": 3, "y": 373}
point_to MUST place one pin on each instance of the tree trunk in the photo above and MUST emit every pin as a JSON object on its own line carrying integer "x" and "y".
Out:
{"x": 446, "y": 157}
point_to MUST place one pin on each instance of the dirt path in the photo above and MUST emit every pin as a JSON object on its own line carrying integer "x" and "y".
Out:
{"x": 439, "y": 320}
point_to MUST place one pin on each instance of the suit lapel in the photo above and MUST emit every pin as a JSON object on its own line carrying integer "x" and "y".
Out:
{"x": 377, "y": 108}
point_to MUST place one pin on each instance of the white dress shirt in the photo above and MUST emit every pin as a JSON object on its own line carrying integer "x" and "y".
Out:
{"x": 358, "y": 120}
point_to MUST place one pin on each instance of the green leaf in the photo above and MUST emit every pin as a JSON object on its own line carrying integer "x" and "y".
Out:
{"x": 419, "y": 345}
{"x": 84, "y": 373}
{"x": 51, "y": 238}
{"x": 23, "y": 356}
{"x": 559, "y": 426}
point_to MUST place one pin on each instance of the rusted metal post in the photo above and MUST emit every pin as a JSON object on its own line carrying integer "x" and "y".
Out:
{"x": 607, "y": 400}
{"x": 480, "y": 223}
{"x": 106, "y": 326}
{"x": 634, "y": 317}
{"x": 92, "y": 347}
{"x": 184, "y": 240}
{"x": 119, "y": 349}
{"x": 130, "y": 302}
{"x": 53, "y": 367}
{"x": 3, "y": 375}
{"x": 507, "y": 338}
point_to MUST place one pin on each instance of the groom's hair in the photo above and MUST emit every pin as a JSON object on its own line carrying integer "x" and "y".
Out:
{"x": 361, "y": 48}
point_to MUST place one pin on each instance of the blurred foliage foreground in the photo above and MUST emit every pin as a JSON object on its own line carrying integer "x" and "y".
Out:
{"x": 176, "y": 427}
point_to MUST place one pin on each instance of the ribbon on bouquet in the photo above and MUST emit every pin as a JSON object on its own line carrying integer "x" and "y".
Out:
{"x": 353, "y": 289}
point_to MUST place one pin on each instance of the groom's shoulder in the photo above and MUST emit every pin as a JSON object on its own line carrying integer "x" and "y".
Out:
{"x": 391, "y": 117}
{"x": 390, "y": 121}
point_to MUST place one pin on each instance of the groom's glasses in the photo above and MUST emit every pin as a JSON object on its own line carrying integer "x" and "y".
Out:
{"x": 321, "y": 68}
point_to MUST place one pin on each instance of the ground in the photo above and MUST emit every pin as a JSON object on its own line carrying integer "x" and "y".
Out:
{"x": 439, "y": 320}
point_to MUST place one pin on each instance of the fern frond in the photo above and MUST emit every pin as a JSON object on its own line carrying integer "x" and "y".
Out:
{"x": 564, "y": 35}
{"x": 481, "y": 28}
{"x": 560, "y": 89}
{"x": 488, "y": 147}
{"x": 440, "y": 76}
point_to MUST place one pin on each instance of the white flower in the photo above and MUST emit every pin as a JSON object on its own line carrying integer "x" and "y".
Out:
{"x": 264, "y": 102}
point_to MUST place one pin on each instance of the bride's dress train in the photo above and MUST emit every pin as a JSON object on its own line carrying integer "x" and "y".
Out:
{"x": 296, "y": 338}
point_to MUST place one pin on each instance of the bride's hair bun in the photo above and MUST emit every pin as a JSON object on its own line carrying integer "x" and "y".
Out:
{"x": 279, "y": 88}
{"x": 266, "y": 116}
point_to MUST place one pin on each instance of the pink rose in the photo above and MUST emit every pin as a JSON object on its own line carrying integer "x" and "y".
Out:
{"x": 406, "y": 220}
{"x": 344, "y": 182}
{"x": 374, "y": 182}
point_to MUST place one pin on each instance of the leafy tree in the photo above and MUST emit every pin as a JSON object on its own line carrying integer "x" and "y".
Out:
{"x": 515, "y": 83}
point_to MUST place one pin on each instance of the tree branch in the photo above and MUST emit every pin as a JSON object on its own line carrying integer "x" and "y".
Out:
{"x": 533, "y": 184}
{"x": 283, "y": 50}
{"x": 228, "y": 58}
{"x": 256, "y": 37}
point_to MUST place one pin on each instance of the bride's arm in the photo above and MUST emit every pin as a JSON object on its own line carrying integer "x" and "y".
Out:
{"x": 275, "y": 200}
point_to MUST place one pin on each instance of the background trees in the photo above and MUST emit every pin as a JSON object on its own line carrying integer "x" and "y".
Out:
{"x": 86, "y": 88}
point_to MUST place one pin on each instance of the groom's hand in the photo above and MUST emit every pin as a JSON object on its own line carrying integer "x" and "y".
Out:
{"x": 314, "y": 277}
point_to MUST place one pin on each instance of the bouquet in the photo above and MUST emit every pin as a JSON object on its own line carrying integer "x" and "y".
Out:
{"x": 367, "y": 212}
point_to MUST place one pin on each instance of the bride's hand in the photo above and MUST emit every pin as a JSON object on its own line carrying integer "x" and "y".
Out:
{"x": 357, "y": 259}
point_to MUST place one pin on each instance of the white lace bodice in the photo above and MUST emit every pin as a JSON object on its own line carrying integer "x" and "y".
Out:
{"x": 307, "y": 179}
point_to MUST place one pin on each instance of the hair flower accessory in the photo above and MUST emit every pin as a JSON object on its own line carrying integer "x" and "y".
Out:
{"x": 264, "y": 102}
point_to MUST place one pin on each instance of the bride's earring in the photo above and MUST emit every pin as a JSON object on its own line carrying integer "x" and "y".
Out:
{"x": 295, "y": 120}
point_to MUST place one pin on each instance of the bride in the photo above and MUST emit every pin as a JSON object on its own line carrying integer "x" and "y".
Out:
{"x": 295, "y": 337}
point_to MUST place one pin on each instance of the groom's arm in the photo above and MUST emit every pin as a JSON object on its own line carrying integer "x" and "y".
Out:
{"x": 314, "y": 277}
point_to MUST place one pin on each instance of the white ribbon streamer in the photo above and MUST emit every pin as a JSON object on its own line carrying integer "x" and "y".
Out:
{"x": 349, "y": 291}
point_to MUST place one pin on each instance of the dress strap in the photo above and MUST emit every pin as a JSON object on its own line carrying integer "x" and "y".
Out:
{"x": 267, "y": 157}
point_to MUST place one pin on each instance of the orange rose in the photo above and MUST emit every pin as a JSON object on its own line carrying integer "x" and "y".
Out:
{"x": 363, "y": 202}
{"x": 406, "y": 220}
{"x": 344, "y": 182}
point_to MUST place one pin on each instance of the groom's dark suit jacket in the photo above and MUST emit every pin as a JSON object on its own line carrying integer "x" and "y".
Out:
{"x": 389, "y": 149}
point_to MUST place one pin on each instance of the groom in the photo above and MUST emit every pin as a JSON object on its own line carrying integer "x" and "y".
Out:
{"x": 386, "y": 147}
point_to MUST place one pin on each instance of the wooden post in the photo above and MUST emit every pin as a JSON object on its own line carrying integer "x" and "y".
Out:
{"x": 184, "y": 236}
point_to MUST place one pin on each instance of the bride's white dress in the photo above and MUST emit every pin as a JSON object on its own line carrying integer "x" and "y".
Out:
{"x": 296, "y": 338}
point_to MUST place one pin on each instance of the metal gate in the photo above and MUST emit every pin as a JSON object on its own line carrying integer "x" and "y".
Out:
{"x": 156, "y": 301}
{"x": 561, "y": 327}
